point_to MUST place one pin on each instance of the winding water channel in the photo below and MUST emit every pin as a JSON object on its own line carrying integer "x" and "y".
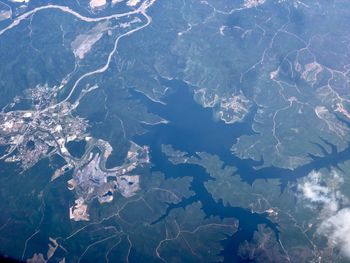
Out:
{"x": 192, "y": 129}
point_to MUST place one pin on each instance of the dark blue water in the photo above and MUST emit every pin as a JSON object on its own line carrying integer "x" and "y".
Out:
{"x": 248, "y": 221}
{"x": 193, "y": 128}
{"x": 76, "y": 148}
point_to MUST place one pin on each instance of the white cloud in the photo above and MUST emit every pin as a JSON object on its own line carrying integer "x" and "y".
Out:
{"x": 323, "y": 190}
{"x": 337, "y": 229}
{"x": 317, "y": 189}
{"x": 312, "y": 190}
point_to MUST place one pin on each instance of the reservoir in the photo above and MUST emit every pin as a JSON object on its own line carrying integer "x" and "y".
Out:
{"x": 192, "y": 128}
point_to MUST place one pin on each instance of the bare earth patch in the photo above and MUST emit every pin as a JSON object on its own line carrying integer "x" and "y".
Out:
{"x": 97, "y": 3}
